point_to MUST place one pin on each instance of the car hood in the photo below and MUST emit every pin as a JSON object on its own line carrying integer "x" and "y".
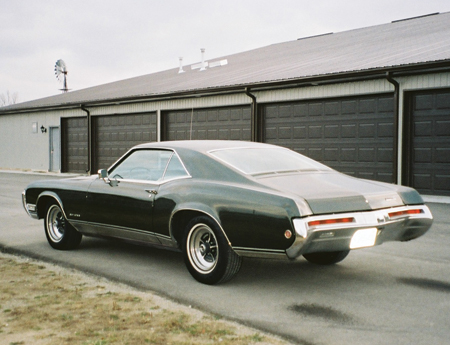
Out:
{"x": 332, "y": 192}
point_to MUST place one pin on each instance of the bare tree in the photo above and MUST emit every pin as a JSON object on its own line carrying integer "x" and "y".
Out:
{"x": 8, "y": 98}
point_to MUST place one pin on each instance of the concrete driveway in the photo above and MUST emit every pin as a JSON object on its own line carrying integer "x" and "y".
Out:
{"x": 397, "y": 293}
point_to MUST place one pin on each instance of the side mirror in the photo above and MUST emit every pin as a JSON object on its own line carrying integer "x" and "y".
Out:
{"x": 103, "y": 174}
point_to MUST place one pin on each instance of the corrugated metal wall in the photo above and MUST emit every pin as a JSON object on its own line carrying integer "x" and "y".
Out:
{"x": 21, "y": 148}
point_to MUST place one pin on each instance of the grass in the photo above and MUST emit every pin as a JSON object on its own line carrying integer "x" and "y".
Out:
{"x": 42, "y": 304}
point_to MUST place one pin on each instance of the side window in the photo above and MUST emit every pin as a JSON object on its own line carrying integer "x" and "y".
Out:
{"x": 147, "y": 165}
{"x": 174, "y": 169}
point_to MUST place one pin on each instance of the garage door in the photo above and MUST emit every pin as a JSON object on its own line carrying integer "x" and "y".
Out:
{"x": 74, "y": 150}
{"x": 352, "y": 135}
{"x": 430, "y": 154}
{"x": 231, "y": 123}
{"x": 115, "y": 134}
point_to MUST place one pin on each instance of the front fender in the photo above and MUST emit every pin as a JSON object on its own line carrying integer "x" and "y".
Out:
{"x": 43, "y": 200}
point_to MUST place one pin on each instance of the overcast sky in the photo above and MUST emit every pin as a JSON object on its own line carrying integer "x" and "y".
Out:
{"x": 105, "y": 41}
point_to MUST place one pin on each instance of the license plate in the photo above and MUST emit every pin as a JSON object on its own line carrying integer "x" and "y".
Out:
{"x": 364, "y": 238}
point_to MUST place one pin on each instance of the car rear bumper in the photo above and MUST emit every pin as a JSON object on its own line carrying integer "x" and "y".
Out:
{"x": 327, "y": 233}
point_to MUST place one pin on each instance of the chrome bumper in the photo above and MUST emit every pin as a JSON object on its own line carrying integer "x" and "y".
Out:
{"x": 30, "y": 209}
{"x": 313, "y": 234}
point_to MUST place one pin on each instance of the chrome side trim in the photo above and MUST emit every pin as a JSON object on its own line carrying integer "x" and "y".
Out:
{"x": 260, "y": 253}
{"x": 333, "y": 237}
{"x": 158, "y": 182}
{"x": 136, "y": 235}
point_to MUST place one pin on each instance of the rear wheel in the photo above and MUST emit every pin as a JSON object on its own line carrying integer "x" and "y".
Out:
{"x": 326, "y": 258}
{"x": 60, "y": 234}
{"x": 207, "y": 254}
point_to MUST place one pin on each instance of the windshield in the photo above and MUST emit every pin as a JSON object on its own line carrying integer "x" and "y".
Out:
{"x": 255, "y": 161}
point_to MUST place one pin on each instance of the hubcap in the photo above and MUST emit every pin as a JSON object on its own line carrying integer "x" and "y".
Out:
{"x": 202, "y": 248}
{"x": 55, "y": 223}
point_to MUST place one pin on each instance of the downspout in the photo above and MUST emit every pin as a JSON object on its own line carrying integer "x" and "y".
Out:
{"x": 255, "y": 126}
{"x": 396, "y": 124}
{"x": 89, "y": 159}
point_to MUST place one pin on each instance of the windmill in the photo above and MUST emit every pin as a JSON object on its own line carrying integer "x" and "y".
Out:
{"x": 61, "y": 74}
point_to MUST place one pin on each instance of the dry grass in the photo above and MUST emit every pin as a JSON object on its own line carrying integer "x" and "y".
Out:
{"x": 45, "y": 304}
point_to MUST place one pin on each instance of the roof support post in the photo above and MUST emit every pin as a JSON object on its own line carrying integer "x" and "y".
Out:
{"x": 256, "y": 126}
{"x": 89, "y": 136}
{"x": 396, "y": 126}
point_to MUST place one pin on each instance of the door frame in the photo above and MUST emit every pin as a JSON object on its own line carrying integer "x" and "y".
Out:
{"x": 51, "y": 151}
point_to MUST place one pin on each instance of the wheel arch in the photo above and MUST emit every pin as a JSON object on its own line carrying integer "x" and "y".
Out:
{"x": 44, "y": 199}
{"x": 181, "y": 217}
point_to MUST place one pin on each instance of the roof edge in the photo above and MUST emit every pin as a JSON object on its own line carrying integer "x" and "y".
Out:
{"x": 334, "y": 78}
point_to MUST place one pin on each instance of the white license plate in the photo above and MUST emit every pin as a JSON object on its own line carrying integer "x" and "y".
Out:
{"x": 364, "y": 238}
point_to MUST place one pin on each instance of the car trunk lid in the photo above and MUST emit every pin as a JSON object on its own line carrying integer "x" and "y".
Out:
{"x": 333, "y": 192}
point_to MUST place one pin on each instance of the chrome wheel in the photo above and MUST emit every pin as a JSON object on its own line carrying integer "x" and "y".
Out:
{"x": 207, "y": 253}
{"x": 56, "y": 223}
{"x": 59, "y": 232}
{"x": 202, "y": 248}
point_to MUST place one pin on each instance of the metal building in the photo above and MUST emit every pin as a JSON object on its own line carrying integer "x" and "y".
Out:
{"x": 372, "y": 102}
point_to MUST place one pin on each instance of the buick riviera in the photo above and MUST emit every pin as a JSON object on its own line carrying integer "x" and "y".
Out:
{"x": 220, "y": 201}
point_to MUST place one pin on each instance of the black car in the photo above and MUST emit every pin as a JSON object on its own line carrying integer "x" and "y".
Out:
{"x": 219, "y": 201}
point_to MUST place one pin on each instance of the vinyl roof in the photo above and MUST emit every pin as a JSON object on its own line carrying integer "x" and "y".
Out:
{"x": 401, "y": 44}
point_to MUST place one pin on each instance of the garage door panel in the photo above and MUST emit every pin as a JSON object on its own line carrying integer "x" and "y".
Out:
{"x": 430, "y": 142}
{"x": 443, "y": 101}
{"x": 74, "y": 145}
{"x": 442, "y": 183}
{"x": 116, "y": 134}
{"x": 443, "y": 155}
{"x": 353, "y": 135}
{"x": 443, "y": 128}
{"x": 230, "y": 123}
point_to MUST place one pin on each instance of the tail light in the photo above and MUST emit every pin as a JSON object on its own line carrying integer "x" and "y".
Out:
{"x": 331, "y": 221}
{"x": 405, "y": 213}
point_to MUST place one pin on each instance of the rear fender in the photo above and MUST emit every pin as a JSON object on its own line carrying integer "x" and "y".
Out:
{"x": 184, "y": 213}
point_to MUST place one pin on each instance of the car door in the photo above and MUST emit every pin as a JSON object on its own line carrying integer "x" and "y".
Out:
{"x": 121, "y": 204}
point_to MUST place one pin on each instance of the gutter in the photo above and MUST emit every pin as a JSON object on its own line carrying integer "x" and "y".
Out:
{"x": 396, "y": 125}
{"x": 254, "y": 117}
{"x": 89, "y": 136}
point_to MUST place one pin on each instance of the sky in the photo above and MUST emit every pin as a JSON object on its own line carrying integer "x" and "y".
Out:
{"x": 104, "y": 41}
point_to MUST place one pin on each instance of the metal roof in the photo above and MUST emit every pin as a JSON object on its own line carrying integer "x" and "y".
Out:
{"x": 400, "y": 45}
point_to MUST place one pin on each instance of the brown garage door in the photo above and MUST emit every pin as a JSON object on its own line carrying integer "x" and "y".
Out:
{"x": 231, "y": 123}
{"x": 74, "y": 155}
{"x": 114, "y": 135}
{"x": 352, "y": 135}
{"x": 429, "y": 159}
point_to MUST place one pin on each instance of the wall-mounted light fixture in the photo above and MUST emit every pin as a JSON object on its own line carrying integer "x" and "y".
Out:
{"x": 43, "y": 129}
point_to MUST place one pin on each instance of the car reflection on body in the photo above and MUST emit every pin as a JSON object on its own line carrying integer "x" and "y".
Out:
{"x": 220, "y": 201}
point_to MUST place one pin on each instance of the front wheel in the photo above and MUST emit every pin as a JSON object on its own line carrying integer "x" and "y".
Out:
{"x": 60, "y": 234}
{"x": 207, "y": 254}
{"x": 326, "y": 258}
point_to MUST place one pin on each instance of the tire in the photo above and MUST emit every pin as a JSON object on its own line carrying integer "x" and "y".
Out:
{"x": 326, "y": 258}
{"x": 60, "y": 234}
{"x": 207, "y": 254}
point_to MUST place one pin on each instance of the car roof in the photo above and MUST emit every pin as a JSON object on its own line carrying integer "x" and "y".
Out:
{"x": 203, "y": 146}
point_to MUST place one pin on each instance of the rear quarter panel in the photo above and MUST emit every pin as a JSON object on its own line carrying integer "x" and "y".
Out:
{"x": 250, "y": 217}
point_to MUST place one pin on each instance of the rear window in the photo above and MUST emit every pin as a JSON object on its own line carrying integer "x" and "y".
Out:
{"x": 255, "y": 161}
